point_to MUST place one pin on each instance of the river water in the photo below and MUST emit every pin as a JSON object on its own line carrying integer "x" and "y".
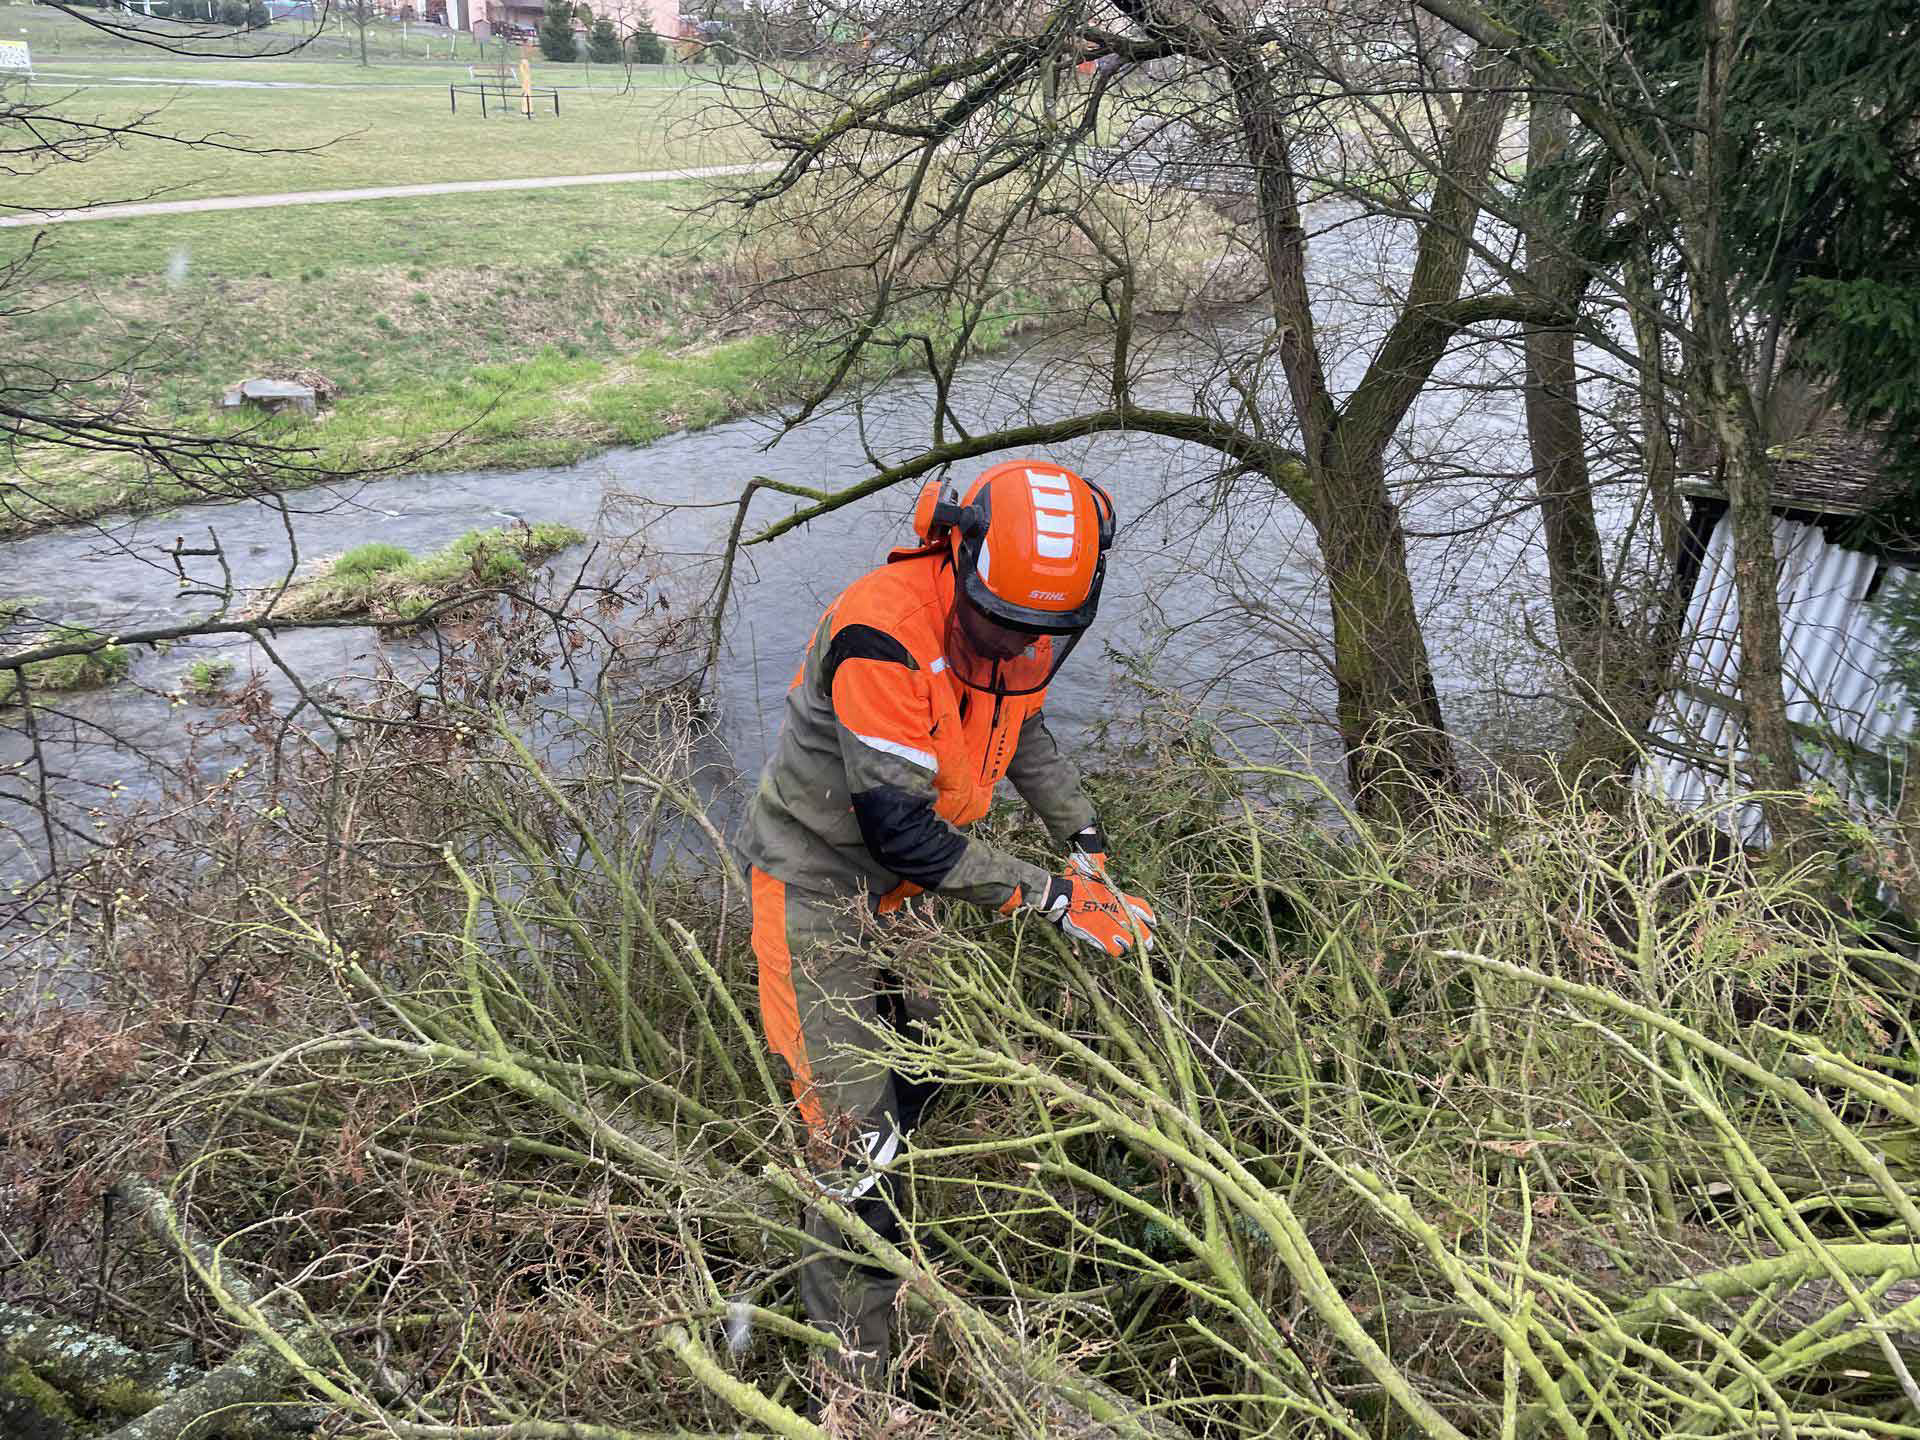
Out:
{"x": 1212, "y": 590}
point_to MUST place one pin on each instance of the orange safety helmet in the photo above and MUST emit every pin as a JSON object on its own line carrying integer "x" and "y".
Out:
{"x": 1029, "y": 546}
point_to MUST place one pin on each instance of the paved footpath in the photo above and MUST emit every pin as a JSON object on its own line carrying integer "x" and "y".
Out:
{"x": 386, "y": 192}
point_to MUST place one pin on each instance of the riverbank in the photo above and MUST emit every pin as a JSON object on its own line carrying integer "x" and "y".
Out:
{"x": 457, "y": 331}
{"x": 491, "y": 365}
{"x": 91, "y": 671}
{"x": 384, "y": 582}
{"x": 553, "y": 406}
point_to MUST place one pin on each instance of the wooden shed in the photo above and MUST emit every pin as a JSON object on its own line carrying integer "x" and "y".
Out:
{"x": 1849, "y": 715}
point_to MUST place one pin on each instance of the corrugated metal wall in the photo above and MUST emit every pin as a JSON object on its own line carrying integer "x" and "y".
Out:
{"x": 1835, "y": 656}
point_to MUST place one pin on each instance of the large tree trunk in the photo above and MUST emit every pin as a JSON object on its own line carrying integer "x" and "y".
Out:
{"x": 1388, "y": 708}
{"x": 1609, "y": 668}
{"x": 1905, "y": 878}
{"x": 1728, "y": 406}
{"x": 1748, "y": 477}
{"x": 1582, "y": 600}
{"x": 1656, "y": 425}
{"x": 1391, "y": 728}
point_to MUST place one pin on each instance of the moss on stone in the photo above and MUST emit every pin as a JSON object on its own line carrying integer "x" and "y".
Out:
{"x": 125, "y": 1396}
{"x": 30, "y": 1408}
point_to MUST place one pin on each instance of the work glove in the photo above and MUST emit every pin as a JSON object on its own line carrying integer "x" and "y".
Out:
{"x": 1089, "y": 909}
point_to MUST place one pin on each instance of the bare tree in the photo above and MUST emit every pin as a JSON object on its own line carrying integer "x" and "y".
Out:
{"x": 360, "y": 14}
{"x": 917, "y": 194}
{"x": 1675, "y": 168}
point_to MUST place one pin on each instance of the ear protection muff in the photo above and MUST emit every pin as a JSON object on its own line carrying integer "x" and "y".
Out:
{"x": 1103, "y": 502}
{"x": 941, "y": 520}
{"x": 933, "y": 512}
{"x": 938, "y": 510}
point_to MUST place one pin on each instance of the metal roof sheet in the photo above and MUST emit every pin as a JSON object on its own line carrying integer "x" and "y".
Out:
{"x": 1835, "y": 654}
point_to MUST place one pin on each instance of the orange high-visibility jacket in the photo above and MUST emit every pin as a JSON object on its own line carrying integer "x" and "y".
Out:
{"x": 884, "y": 756}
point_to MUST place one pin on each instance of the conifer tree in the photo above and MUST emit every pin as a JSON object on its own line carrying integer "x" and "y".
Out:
{"x": 556, "y": 32}
{"x": 644, "y": 48}
{"x": 603, "y": 45}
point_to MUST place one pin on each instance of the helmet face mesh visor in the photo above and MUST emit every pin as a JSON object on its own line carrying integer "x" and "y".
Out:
{"x": 999, "y": 660}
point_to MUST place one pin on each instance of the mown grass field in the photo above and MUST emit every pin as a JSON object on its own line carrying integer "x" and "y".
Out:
{"x": 507, "y": 328}
{"x": 56, "y": 35}
{"x": 513, "y": 328}
{"x": 370, "y": 294}
{"x": 350, "y": 135}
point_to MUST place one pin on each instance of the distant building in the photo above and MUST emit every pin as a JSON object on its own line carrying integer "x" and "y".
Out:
{"x": 510, "y": 15}
{"x": 662, "y": 17}
{"x": 1847, "y": 715}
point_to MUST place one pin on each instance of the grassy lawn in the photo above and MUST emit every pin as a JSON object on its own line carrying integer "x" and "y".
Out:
{"x": 375, "y": 295}
{"x": 149, "y": 70}
{"x": 518, "y": 328}
{"x": 386, "y": 582}
{"x": 365, "y": 136}
{"x": 512, "y": 329}
{"x": 508, "y": 329}
{"x": 512, "y": 230}
{"x": 522, "y": 327}
{"x": 58, "y": 38}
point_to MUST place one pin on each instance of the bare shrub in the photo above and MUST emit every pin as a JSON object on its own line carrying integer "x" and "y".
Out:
{"x": 453, "y": 1110}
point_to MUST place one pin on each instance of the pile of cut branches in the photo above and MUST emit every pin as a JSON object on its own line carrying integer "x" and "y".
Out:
{"x": 429, "y": 1092}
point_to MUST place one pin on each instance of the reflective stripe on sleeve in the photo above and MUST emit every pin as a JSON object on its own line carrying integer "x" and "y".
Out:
{"x": 923, "y": 758}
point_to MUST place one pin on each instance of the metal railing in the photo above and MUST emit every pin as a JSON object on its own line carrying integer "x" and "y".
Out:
{"x": 507, "y": 99}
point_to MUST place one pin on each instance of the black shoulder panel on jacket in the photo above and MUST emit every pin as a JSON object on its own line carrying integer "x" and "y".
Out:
{"x": 862, "y": 642}
{"x": 904, "y": 834}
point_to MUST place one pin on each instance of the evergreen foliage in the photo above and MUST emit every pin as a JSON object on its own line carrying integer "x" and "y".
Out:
{"x": 1822, "y": 213}
{"x": 1899, "y": 610}
{"x": 644, "y": 48}
{"x": 556, "y": 32}
{"x": 1826, "y": 216}
{"x": 603, "y": 45}
{"x": 717, "y": 44}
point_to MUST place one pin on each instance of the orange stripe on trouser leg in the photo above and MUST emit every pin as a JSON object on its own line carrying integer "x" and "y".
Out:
{"x": 779, "y": 1006}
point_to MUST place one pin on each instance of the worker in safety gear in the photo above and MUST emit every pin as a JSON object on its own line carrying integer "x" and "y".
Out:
{"x": 922, "y": 688}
